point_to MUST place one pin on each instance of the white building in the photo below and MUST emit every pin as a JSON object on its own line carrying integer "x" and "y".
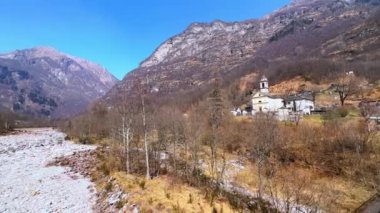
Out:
{"x": 263, "y": 101}
{"x": 302, "y": 102}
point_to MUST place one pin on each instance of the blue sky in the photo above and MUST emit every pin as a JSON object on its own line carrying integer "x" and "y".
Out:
{"x": 117, "y": 34}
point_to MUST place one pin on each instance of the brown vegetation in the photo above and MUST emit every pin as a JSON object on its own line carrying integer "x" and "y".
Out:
{"x": 194, "y": 147}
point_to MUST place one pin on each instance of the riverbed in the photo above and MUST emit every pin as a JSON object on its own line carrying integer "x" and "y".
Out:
{"x": 28, "y": 184}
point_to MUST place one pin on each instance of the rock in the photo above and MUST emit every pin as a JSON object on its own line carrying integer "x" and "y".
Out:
{"x": 34, "y": 193}
{"x": 125, "y": 196}
{"x": 114, "y": 198}
{"x": 135, "y": 209}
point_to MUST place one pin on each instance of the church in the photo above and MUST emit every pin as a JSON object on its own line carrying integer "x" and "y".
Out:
{"x": 281, "y": 105}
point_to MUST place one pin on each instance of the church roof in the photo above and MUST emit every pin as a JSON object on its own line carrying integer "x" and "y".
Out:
{"x": 301, "y": 96}
{"x": 263, "y": 78}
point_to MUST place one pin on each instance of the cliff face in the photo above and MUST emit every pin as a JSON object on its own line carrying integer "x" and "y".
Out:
{"x": 342, "y": 29}
{"x": 44, "y": 82}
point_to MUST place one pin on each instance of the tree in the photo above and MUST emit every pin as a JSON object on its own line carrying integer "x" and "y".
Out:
{"x": 143, "y": 92}
{"x": 195, "y": 126}
{"x": 7, "y": 120}
{"x": 264, "y": 138}
{"x": 99, "y": 113}
{"x": 215, "y": 120}
{"x": 171, "y": 133}
{"x": 347, "y": 85}
{"x": 126, "y": 112}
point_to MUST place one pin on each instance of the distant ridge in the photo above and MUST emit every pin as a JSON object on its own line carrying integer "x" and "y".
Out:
{"x": 42, "y": 81}
{"x": 337, "y": 30}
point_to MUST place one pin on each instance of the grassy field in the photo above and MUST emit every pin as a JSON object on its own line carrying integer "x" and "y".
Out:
{"x": 333, "y": 194}
{"x": 164, "y": 194}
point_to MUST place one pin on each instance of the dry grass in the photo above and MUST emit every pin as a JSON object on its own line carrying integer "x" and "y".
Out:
{"x": 247, "y": 178}
{"x": 294, "y": 85}
{"x": 338, "y": 194}
{"x": 313, "y": 120}
{"x": 243, "y": 118}
{"x": 347, "y": 195}
{"x": 161, "y": 194}
{"x": 374, "y": 93}
{"x": 164, "y": 194}
{"x": 325, "y": 99}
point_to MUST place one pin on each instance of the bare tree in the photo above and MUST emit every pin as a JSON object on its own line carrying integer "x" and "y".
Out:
{"x": 195, "y": 126}
{"x": 264, "y": 138}
{"x": 347, "y": 85}
{"x": 7, "y": 120}
{"x": 143, "y": 93}
{"x": 215, "y": 120}
{"x": 127, "y": 111}
{"x": 292, "y": 191}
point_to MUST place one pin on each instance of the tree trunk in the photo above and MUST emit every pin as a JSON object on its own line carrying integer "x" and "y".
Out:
{"x": 123, "y": 135}
{"x": 342, "y": 99}
{"x": 260, "y": 188}
{"x": 145, "y": 139}
{"x": 127, "y": 162}
{"x": 175, "y": 155}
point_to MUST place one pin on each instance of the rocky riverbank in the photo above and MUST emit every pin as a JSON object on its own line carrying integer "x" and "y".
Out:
{"x": 27, "y": 184}
{"x": 108, "y": 199}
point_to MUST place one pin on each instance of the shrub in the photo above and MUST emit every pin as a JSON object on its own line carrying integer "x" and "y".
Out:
{"x": 167, "y": 194}
{"x": 108, "y": 186}
{"x": 120, "y": 204}
{"x": 150, "y": 201}
{"x": 86, "y": 140}
{"x": 104, "y": 168}
{"x": 177, "y": 208}
{"x": 142, "y": 184}
{"x": 190, "y": 198}
{"x": 343, "y": 112}
{"x": 335, "y": 113}
{"x": 214, "y": 210}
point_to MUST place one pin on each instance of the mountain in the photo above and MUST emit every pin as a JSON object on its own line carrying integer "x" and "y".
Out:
{"x": 340, "y": 30}
{"x": 45, "y": 82}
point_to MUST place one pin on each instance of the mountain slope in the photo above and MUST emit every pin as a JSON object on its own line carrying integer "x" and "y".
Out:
{"x": 333, "y": 29}
{"x": 44, "y": 82}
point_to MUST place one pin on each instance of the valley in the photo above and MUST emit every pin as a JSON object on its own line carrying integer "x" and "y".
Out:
{"x": 274, "y": 114}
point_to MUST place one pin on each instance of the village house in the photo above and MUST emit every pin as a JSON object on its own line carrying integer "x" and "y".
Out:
{"x": 302, "y": 102}
{"x": 283, "y": 106}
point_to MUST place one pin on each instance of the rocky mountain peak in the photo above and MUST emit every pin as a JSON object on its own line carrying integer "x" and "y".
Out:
{"x": 35, "y": 52}
{"x": 45, "y": 81}
{"x": 186, "y": 43}
{"x": 334, "y": 29}
{"x": 39, "y": 54}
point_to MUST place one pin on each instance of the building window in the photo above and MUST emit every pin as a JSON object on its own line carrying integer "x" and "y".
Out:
{"x": 263, "y": 85}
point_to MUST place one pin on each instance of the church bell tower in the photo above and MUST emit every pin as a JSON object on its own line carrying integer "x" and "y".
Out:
{"x": 264, "y": 86}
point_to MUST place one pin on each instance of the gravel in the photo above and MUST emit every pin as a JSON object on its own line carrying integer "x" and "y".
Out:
{"x": 28, "y": 185}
